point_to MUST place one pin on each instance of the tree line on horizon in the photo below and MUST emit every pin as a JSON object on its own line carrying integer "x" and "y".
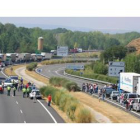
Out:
{"x": 21, "y": 39}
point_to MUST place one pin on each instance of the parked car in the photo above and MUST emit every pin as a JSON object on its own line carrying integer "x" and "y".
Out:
{"x": 114, "y": 95}
{"x": 136, "y": 104}
{"x": 108, "y": 91}
{"x": 130, "y": 96}
{"x": 14, "y": 77}
{"x": 38, "y": 94}
{"x": 8, "y": 82}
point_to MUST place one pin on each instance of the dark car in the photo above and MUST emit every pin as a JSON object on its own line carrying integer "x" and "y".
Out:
{"x": 108, "y": 92}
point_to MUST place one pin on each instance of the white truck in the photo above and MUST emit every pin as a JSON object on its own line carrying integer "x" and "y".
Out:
{"x": 46, "y": 56}
{"x": 24, "y": 57}
{"x": 130, "y": 82}
{"x": 36, "y": 57}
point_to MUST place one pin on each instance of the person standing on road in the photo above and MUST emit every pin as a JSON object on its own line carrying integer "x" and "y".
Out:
{"x": 14, "y": 91}
{"x": 91, "y": 89}
{"x": 34, "y": 96}
{"x": 131, "y": 104}
{"x": 103, "y": 94}
{"x": 8, "y": 90}
{"x": 99, "y": 94}
{"x": 83, "y": 87}
{"x": 28, "y": 91}
{"x": 24, "y": 91}
{"x": 126, "y": 104}
{"x": 21, "y": 80}
{"x": 3, "y": 86}
{"x": 49, "y": 99}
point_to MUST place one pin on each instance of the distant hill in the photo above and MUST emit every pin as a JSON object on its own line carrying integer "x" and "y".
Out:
{"x": 135, "y": 44}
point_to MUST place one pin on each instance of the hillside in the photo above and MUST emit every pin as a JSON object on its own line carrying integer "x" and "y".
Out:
{"x": 136, "y": 44}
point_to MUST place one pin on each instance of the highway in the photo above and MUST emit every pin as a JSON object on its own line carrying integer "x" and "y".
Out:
{"x": 23, "y": 110}
{"x": 58, "y": 70}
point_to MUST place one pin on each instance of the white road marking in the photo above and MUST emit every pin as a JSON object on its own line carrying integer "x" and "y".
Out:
{"x": 21, "y": 111}
{"x": 48, "y": 111}
{"x": 4, "y": 74}
{"x": 16, "y": 102}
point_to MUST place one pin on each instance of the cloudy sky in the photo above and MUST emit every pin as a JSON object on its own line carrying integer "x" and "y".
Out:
{"x": 105, "y": 24}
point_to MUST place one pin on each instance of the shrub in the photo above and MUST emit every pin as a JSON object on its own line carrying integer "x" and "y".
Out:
{"x": 83, "y": 116}
{"x": 72, "y": 86}
{"x": 67, "y": 104}
{"x": 57, "y": 81}
{"x": 31, "y": 66}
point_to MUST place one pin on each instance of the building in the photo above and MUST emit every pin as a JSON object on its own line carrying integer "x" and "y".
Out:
{"x": 40, "y": 43}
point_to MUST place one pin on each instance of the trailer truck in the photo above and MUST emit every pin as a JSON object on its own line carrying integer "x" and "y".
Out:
{"x": 129, "y": 82}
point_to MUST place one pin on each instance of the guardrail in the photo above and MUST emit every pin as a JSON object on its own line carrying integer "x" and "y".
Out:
{"x": 94, "y": 80}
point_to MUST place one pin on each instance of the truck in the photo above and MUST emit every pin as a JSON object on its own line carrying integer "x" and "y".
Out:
{"x": 129, "y": 82}
{"x": 24, "y": 57}
{"x": 1, "y": 57}
{"x": 11, "y": 57}
{"x": 36, "y": 57}
{"x": 75, "y": 50}
{"x": 46, "y": 56}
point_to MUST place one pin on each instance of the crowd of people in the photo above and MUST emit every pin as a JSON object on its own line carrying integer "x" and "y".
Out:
{"x": 20, "y": 86}
{"x": 94, "y": 88}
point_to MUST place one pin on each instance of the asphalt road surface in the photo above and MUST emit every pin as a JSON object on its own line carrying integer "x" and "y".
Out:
{"x": 58, "y": 70}
{"x": 23, "y": 110}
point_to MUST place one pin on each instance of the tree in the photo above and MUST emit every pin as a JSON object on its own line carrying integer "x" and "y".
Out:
{"x": 75, "y": 45}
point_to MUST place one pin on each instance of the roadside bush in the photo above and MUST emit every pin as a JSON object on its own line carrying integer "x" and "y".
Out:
{"x": 72, "y": 86}
{"x": 58, "y": 97}
{"x": 31, "y": 66}
{"x": 100, "y": 68}
{"x": 83, "y": 115}
{"x": 70, "y": 108}
{"x": 57, "y": 81}
{"x": 68, "y": 104}
{"x": 63, "y": 101}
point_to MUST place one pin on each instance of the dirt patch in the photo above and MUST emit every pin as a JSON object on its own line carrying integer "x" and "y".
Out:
{"x": 37, "y": 76}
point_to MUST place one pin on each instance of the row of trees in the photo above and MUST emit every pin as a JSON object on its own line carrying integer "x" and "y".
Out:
{"x": 20, "y": 39}
{"x": 113, "y": 53}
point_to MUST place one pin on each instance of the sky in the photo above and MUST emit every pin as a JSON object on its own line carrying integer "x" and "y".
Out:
{"x": 104, "y": 24}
